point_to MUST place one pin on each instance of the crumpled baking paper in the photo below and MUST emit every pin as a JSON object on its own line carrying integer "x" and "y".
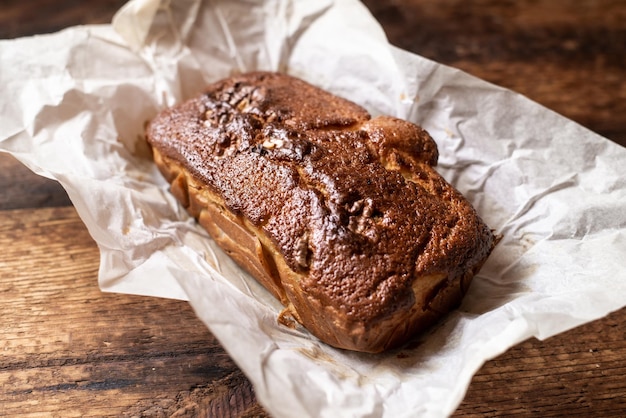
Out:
{"x": 74, "y": 105}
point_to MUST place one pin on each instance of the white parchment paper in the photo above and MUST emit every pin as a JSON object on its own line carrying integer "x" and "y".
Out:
{"x": 73, "y": 106}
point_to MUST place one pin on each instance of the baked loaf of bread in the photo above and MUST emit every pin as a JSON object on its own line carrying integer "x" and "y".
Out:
{"x": 341, "y": 216}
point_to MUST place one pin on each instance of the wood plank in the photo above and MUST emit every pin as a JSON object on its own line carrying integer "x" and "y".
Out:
{"x": 567, "y": 55}
{"x": 25, "y": 18}
{"x": 577, "y": 373}
{"x": 66, "y": 346}
{"x": 21, "y": 188}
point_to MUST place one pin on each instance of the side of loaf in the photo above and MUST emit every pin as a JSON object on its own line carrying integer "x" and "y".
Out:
{"x": 341, "y": 216}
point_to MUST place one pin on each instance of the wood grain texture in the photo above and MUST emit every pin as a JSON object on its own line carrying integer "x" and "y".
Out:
{"x": 22, "y": 189}
{"x": 577, "y": 373}
{"x": 24, "y": 18}
{"x": 567, "y": 55}
{"x": 70, "y": 350}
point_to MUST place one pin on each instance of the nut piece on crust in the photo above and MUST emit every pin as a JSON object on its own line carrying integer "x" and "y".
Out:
{"x": 341, "y": 217}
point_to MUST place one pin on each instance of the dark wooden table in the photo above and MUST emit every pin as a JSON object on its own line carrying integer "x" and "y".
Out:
{"x": 70, "y": 350}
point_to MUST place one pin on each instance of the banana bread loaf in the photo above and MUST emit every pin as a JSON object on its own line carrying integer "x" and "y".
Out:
{"x": 341, "y": 216}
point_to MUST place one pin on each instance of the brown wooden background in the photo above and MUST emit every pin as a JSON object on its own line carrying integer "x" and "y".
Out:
{"x": 69, "y": 350}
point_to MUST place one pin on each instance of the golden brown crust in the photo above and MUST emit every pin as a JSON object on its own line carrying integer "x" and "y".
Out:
{"x": 342, "y": 217}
